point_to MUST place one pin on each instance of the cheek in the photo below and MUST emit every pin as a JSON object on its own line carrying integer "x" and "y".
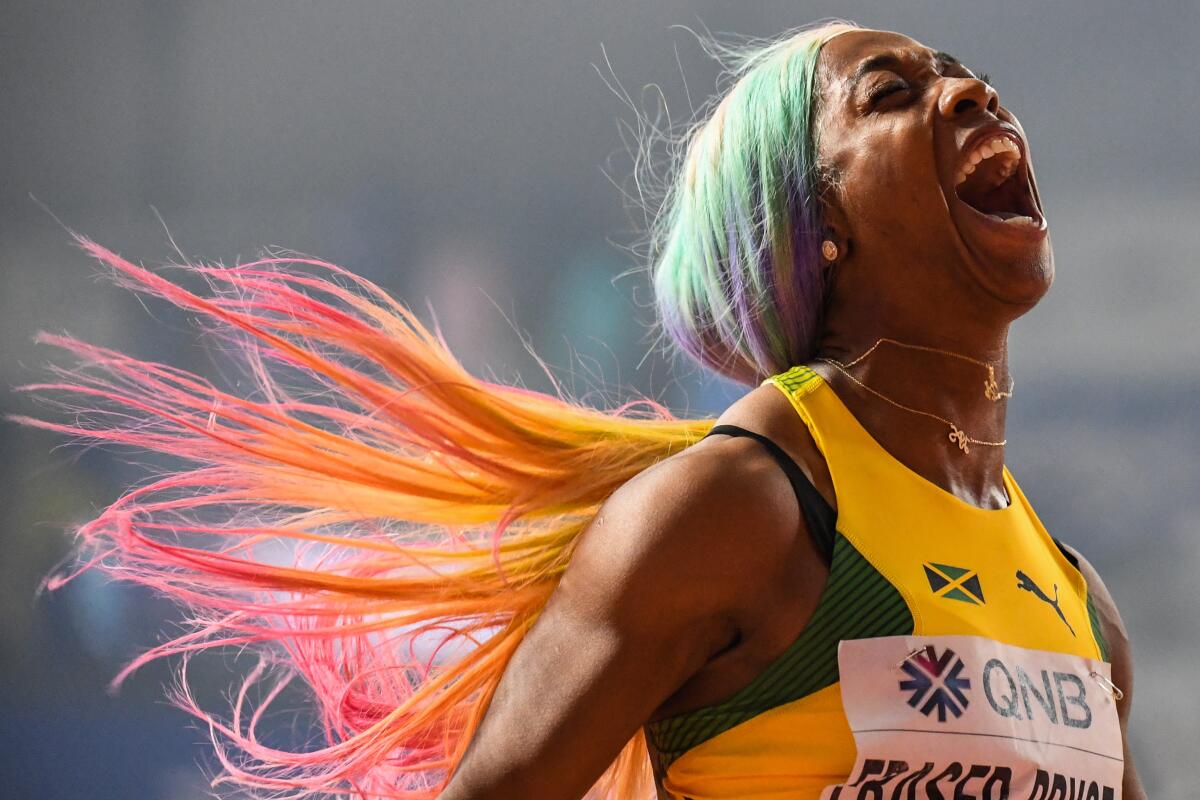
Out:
{"x": 890, "y": 178}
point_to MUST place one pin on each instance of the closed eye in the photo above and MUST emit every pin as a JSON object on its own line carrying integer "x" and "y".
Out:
{"x": 886, "y": 89}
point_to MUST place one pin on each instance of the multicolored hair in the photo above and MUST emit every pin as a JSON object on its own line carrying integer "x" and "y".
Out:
{"x": 373, "y": 520}
{"x": 739, "y": 280}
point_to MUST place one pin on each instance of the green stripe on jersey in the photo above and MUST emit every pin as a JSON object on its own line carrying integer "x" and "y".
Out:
{"x": 1097, "y": 631}
{"x": 795, "y": 378}
{"x": 857, "y": 603}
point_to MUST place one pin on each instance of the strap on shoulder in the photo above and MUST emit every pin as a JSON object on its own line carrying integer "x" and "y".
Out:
{"x": 819, "y": 516}
{"x": 1067, "y": 554}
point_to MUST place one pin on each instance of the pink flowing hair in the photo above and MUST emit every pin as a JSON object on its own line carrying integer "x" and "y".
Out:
{"x": 371, "y": 518}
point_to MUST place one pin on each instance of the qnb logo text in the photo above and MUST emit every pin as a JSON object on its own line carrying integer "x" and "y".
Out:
{"x": 1018, "y": 693}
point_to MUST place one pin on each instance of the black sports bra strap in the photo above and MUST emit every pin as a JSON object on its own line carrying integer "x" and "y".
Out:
{"x": 819, "y": 516}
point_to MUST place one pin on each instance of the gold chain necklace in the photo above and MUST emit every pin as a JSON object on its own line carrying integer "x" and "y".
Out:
{"x": 991, "y": 388}
{"x": 957, "y": 435}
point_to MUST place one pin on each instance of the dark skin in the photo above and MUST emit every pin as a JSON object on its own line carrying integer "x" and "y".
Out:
{"x": 699, "y": 572}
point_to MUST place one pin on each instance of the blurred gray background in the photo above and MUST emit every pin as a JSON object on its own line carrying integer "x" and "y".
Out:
{"x": 456, "y": 153}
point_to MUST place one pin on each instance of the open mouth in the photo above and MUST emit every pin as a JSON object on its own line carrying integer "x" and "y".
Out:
{"x": 993, "y": 180}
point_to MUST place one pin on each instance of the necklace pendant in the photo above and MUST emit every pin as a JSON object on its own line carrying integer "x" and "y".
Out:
{"x": 959, "y": 438}
{"x": 991, "y": 387}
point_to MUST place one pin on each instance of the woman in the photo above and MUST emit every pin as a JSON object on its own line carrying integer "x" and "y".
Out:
{"x": 716, "y": 615}
{"x": 840, "y": 592}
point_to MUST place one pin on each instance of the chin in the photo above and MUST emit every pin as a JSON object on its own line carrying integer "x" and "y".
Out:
{"x": 1017, "y": 276}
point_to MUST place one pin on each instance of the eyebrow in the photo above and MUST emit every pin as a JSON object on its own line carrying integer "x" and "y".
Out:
{"x": 873, "y": 64}
{"x": 891, "y": 61}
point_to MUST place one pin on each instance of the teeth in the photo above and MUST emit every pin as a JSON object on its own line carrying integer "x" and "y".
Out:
{"x": 1009, "y": 218}
{"x": 1001, "y": 146}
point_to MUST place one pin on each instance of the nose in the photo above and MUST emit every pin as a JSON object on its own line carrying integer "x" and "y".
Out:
{"x": 961, "y": 95}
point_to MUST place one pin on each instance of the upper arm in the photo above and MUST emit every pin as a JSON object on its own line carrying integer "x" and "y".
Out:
{"x": 654, "y": 588}
{"x": 1121, "y": 657}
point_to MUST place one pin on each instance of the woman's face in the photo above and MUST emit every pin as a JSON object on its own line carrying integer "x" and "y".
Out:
{"x": 934, "y": 192}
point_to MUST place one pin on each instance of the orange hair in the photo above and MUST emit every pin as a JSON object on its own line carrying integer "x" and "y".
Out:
{"x": 370, "y": 517}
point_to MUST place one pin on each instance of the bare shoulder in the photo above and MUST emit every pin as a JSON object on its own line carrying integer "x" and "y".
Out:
{"x": 701, "y": 526}
{"x": 767, "y": 411}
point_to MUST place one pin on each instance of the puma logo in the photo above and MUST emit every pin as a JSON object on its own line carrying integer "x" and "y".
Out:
{"x": 1026, "y": 583}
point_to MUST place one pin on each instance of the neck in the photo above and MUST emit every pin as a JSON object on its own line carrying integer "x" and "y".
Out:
{"x": 945, "y": 384}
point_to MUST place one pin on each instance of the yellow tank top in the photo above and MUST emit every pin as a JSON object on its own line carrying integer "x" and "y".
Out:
{"x": 909, "y": 558}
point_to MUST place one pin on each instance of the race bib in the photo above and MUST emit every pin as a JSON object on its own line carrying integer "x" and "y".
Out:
{"x": 970, "y": 718}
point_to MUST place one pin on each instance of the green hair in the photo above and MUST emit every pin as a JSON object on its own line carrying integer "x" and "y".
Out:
{"x": 738, "y": 278}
